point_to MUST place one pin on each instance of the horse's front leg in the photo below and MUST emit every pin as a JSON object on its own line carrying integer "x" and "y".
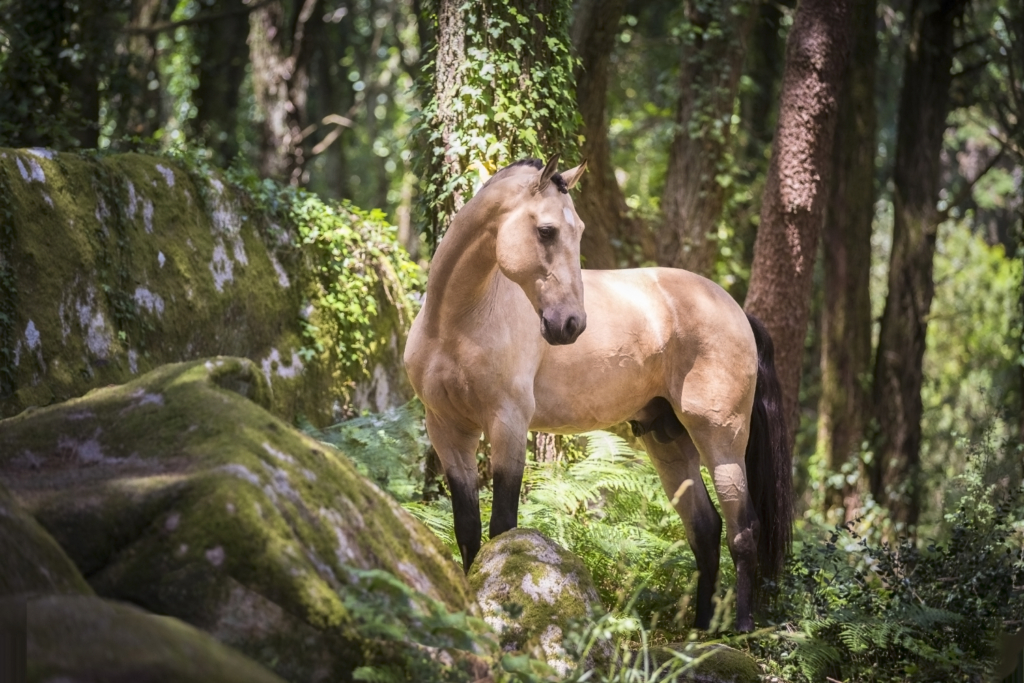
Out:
{"x": 456, "y": 449}
{"x": 507, "y": 435}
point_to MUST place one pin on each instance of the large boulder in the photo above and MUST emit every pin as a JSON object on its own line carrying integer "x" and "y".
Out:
{"x": 112, "y": 266}
{"x": 30, "y": 560}
{"x": 83, "y": 639}
{"x": 706, "y": 663}
{"x": 178, "y": 493}
{"x": 531, "y": 591}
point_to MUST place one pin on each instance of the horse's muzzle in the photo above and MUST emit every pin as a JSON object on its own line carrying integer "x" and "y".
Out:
{"x": 558, "y": 332}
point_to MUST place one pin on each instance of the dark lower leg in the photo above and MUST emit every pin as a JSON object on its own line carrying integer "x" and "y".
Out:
{"x": 505, "y": 510}
{"x": 705, "y": 533}
{"x": 466, "y": 510}
{"x": 743, "y": 548}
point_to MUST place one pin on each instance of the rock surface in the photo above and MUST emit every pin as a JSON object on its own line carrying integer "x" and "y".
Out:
{"x": 710, "y": 663}
{"x": 112, "y": 266}
{"x": 178, "y": 493}
{"x": 30, "y": 560}
{"x": 524, "y": 570}
{"x": 83, "y": 639}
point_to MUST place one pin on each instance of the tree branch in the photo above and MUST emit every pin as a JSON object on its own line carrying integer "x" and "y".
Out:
{"x": 203, "y": 18}
{"x": 966, "y": 190}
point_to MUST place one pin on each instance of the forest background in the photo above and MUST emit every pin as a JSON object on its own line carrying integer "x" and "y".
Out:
{"x": 893, "y": 285}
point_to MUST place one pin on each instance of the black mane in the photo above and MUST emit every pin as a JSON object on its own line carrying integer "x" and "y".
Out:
{"x": 537, "y": 164}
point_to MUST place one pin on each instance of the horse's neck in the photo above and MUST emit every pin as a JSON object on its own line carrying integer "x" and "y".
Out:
{"x": 464, "y": 271}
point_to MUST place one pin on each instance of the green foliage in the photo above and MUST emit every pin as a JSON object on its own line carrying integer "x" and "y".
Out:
{"x": 513, "y": 98}
{"x": 360, "y": 274}
{"x": 408, "y": 629}
{"x": 865, "y": 611}
{"x": 34, "y": 106}
{"x": 386, "y": 447}
{"x": 972, "y": 360}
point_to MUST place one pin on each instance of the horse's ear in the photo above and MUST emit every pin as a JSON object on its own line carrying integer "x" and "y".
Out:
{"x": 573, "y": 175}
{"x": 550, "y": 169}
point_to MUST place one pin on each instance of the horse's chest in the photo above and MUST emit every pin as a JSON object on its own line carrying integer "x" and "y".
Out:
{"x": 469, "y": 378}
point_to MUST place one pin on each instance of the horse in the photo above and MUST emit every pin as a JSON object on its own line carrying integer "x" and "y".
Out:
{"x": 504, "y": 344}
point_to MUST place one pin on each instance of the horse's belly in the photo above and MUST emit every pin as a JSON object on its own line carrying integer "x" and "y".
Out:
{"x": 574, "y": 399}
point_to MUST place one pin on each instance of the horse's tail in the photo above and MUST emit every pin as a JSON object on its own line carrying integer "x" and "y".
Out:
{"x": 769, "y": 462}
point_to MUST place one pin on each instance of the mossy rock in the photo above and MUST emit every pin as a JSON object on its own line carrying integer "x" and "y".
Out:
{"x": 113, "y": 266}
{"x": 531, "y": 592}
{"x": 83, "y": 639}
{"x": 708, "y": 663}
{"x": 30, "y": 560}
{"x": 177, "y": 493}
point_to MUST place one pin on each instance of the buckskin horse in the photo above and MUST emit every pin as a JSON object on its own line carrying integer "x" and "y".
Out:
{"x": 504, "y": 345}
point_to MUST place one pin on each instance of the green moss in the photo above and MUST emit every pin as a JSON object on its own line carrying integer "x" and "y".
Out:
{"x": 77, "y": 637}
{"x": 30, "y": 560}
{"x": 175, "y": 493}
{"x": 111, "y": 266}
{"x": 712, "y": 663}
{"x": 531, "y": 591}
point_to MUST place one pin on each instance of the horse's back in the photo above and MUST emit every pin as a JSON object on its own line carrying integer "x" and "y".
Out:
{"x": 650, "y": 332}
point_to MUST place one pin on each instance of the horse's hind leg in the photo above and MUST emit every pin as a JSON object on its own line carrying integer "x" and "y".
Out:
{"x": 678, "y": 466}
{"x": 457, "y": 451}
{"x": 722, "y": 451}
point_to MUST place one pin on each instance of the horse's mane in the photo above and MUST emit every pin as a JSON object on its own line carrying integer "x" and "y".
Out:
{"x": 532, "y": 163}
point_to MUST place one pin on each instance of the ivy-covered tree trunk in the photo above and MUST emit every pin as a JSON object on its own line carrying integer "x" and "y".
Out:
{"x": 846, "y": 313}
{"x": 280, "y": 47}
{"x": 796, "y": 189}
{"x": 502, "y": 90}
{"x": 924, "y": 105}
{"x": 600, "y": 203}
{"x": 222, "y": 52}
{"x": 714, "y": 38}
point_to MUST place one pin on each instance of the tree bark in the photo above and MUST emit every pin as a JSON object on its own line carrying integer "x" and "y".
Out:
{"x": 223, "y": 54}
{"x": 694, "y": 195}
{"x": 601, "y": 203}
{"x": 924, "y": 105}
{"x": 280, "y": 49}
{"x": 846, "y": 313}
{"x": 796, "y": 188}
{"x": 139, "y": 107}
{"x": 481, "y": 120}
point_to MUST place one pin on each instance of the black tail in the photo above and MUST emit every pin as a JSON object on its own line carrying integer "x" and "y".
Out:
{"x": 769, "y": 462}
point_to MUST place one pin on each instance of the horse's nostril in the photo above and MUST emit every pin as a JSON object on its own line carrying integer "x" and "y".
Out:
{"x": 571, "y": 325}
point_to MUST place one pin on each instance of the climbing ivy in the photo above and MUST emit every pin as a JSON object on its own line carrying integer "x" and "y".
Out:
{"x": 360, "y": 274}
{"x": 512, "y": 98}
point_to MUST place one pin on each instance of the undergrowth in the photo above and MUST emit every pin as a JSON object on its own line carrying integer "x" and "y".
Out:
{"x": 852, "y": 608}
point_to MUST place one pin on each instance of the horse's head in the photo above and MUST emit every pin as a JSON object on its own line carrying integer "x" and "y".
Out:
{"x": 538, "y": 248}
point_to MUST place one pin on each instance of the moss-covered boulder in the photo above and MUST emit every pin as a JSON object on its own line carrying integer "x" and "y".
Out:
{"x": 178, "y": 493}
{"x": 112, "y": 266}
{"x": 30, "y": 560}
{"x": 82, "y": 639}
{"x": 708, "y": 663}
{"x": 531, "y": 591}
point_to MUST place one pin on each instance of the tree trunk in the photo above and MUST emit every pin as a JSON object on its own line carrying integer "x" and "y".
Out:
{"x": 713, "y": 52}
{"x": 280, "y": 48}
{"x": 601, "y": 203}
{"x": 846, "y": 313}
{"x": 924, "y": 105}
{"x": 502, "y": 90}
{"x": 796, "y": 188}
{"x": 220, "y": 46}
{"x": 139, "y": 107}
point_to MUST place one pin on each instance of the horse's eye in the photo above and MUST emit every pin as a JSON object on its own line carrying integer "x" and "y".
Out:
{"x": 547, "y": 233}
